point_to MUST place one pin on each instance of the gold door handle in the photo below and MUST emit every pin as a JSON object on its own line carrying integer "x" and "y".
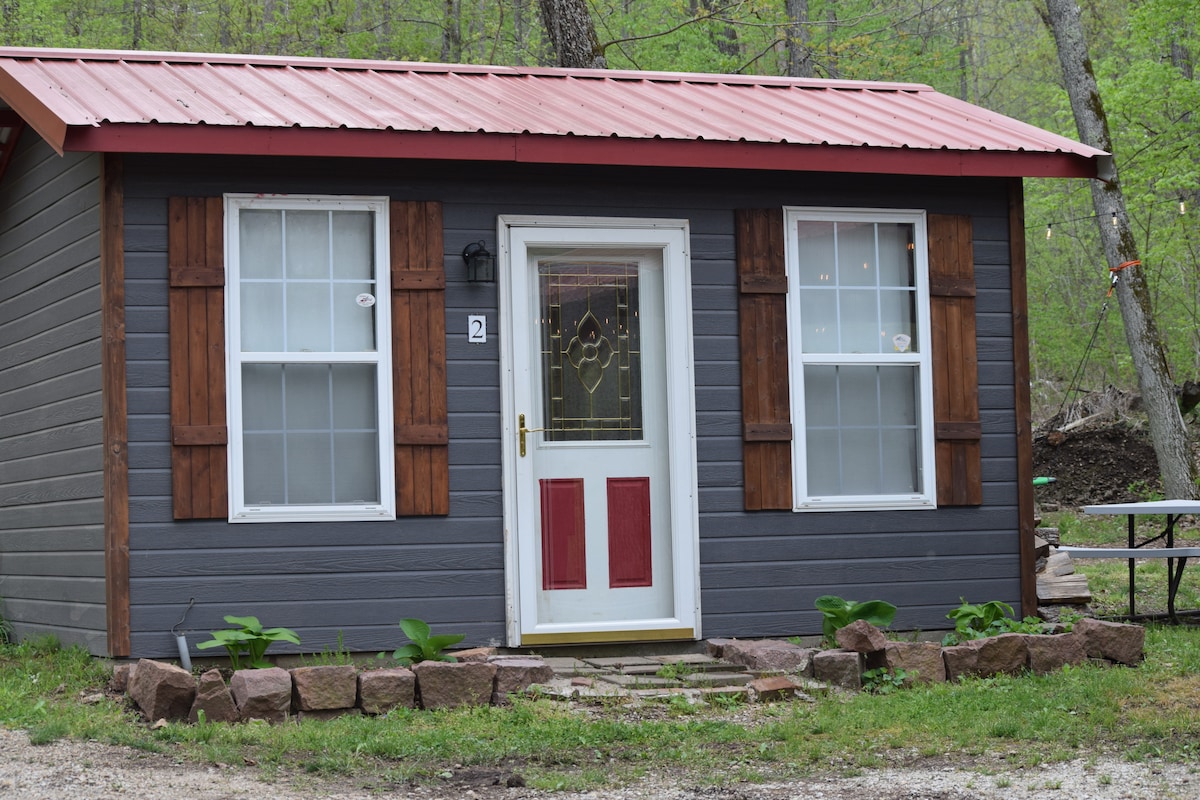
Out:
{"x": 522, "y": 430}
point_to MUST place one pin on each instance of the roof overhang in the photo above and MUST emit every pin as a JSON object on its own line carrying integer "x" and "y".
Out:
{"x": 541, "y": 149}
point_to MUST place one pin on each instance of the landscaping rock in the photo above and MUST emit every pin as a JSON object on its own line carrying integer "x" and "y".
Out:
{"x": 214, "y": 699}
{"x": 1124, "y": 644}
{"x": 516, "y": 674}
{"x": 922, "y": 662}
{"x": 442, "y": 684}
{"x": 323, "y": 688}
{"x": 119, "y": 682}
{"x": 381, "y": 690}
{"x": 1051, "y": 653}
{"x": 861, "y": 637}
{"x": 162, "y": 691}
{"x": 775, "y": 687}
{"x": 994, "y": 655}
{"x": 838, "y": 668}
{"x": 262, "y": 693}
{"x": 474, "y": 654}
{"x": 766, "y": 655}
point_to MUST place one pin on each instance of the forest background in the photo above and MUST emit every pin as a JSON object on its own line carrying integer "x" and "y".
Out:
{"x": 996, "y": 53}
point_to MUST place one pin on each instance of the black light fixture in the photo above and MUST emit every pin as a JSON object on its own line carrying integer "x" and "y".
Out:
{"x": 481, "y": 265}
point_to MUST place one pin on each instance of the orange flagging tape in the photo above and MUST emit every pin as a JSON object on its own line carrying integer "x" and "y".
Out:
{"x": 1114, "y": 270}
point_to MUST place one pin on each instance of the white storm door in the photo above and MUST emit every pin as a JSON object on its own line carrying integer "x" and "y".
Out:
{"x": 600, "y": 443}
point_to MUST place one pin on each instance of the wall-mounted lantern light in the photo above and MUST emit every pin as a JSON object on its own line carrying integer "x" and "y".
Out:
{"x": 481, "y": 265}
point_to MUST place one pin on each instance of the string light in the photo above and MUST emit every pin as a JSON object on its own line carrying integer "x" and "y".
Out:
{"x": 1181, "y": 204}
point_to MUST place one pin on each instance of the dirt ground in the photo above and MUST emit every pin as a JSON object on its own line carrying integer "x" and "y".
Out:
{"x": 1109, "y": 463}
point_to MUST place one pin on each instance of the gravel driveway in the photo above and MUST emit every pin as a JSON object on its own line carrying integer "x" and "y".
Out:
{"x": 90, "y": 771}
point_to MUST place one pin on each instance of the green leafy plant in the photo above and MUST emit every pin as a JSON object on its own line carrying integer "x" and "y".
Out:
{"x": 675, "y": 671}
{"x": 424, "y": 646}
{"x": 882, "y": 680}
{"x": 249, "y": 639}
{"x": 992, "y": 618}
{"x": 839, "y": 613}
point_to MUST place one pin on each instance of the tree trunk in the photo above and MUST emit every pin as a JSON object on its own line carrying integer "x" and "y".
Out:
{"x": 799, "y": 40}
{"x": 1167, "y": 428}
{"x": 572, "y": 34}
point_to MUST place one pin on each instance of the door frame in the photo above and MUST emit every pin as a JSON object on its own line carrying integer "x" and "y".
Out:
{"x": 673, "y": 236}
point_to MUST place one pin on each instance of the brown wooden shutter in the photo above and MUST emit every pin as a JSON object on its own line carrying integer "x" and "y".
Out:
{"x": 762, "y": 330}
{"x": 196, "y": 321}
{"x": 955, "y": 370}
{"x": 419, "y": 359}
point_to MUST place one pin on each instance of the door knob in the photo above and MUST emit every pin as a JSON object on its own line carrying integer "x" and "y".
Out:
{"x": 522, "y": 430}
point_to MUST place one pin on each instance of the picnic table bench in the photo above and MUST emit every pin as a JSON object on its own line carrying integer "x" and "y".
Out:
{"x": 1176, "y": 556}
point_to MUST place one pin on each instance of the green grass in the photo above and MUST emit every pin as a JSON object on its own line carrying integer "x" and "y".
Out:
{"x": 1139, "y": 713}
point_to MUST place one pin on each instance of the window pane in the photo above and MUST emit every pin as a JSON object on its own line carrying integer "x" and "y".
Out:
{"x": 261, "y": 244}
{"x": 898, "y": 392}
{"x": 356, "y": 467}
{"x": 856, "y": 254}
{"x": 308, "y": 318}
{"x": 820, "y": 397}
{"x": 309, "y": 468}
{"x": 815, "y": 253}
{"x": 824, "y": 455}
{"x": 896, "y": 254}
{"x": 859, "y": 327}
{"x": 898, "y": 329}
{"x": 262, "y": 397}
{"x": 901, "y": 474}
{"x": 591, "y": 350}
{"x": 262, "y": 317}
{"x": 353, "y": 245}
{"x": 264, "y": 467}
{"x": 306, "y": 396}
{"x": 861, "y": 429}
{"x": 307, "y": 244}
{"x": 818, "y": 320}
{"x": 353, "y": 324}
{"x": 354, "y": 397}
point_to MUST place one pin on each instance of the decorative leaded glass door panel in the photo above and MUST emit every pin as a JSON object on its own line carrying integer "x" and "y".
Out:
{"x": 596, "y": 503}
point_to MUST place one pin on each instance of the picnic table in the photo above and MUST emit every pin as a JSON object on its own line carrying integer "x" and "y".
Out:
{"x": 1176, "y": 556}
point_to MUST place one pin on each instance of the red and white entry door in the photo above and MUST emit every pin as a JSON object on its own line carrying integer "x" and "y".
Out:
{"x": 599, "y": 448}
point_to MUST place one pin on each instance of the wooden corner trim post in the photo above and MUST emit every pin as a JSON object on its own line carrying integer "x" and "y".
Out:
{"x": 115, "y": 422}
{"x": 1023, "y": 404}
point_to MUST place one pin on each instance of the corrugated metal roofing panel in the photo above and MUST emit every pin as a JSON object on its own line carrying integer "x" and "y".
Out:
{"x": 78, "y": 89}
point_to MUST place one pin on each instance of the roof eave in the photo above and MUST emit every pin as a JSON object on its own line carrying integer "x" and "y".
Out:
{"x": 540, "y": 149}
{"x": 49, "y": 125}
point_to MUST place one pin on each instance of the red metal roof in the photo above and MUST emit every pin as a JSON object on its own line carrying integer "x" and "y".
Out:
{"x": 112, "y": 101}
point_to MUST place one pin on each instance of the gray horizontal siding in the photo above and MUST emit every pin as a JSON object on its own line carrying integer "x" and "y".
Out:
{"x": 760, "y": 572}
{"x": 51, "y": 507}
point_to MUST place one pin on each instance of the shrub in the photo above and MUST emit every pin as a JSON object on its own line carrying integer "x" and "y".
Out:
{"x": 248, "y": 639}
{"x": 839, "y": 613}
{"x": 424, "y": 646}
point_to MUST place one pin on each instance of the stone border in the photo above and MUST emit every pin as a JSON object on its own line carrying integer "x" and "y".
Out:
{"x": 865, "y": 647}
{"x": 782, "y": 670}
{"x": 163, "y": 691}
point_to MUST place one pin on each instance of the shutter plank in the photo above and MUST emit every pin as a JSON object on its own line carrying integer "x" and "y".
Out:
{"x": 957, "y": 432}
{"x": 762, "y": 315}
{"x": 196, "y": 320}
{"x": 419, "y": 359}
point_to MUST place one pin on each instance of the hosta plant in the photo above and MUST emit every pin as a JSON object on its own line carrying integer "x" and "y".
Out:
{"x": 247, "y": 643}
{"x": 839, "y": 613}
{"x": 423, "y": 645}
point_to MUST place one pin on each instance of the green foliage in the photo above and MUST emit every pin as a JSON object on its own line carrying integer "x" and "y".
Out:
{"x": 336, "y": 657}
{"x": 839, "y": 613}
{"x": 249, "y": 639}
{"x": 987, "y": 619}
{"x": 675, "y": 671}
{"x": 5, "y": 629}
{"x": 423, "y": 645}
{"x": 882, "y": 680}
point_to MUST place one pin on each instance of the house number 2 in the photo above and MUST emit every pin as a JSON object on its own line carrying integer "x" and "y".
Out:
{"x": 477, "y": 328}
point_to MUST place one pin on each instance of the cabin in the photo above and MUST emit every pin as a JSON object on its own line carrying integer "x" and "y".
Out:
{"x": 539, "y": 356}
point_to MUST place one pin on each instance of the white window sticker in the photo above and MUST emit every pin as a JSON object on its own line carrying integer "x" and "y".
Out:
{"x": 477, "y": 329}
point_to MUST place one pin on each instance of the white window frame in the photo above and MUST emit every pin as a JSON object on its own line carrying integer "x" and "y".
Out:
{"x": 381, "y": 358}
{"x": 921, "y": 360}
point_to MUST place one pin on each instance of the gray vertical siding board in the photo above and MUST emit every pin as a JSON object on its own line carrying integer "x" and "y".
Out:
{"x": 359, "y": 578}
{"x": 51, "y": 512}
